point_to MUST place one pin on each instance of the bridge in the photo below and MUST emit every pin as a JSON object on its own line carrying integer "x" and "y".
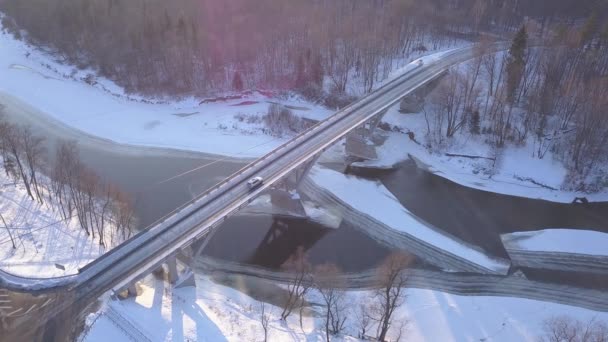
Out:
{"x": 162, "y": 241}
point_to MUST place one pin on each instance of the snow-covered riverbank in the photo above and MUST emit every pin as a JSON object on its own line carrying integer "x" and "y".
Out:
{"x": 46, "y": 245}
{"x": 516, "y": 173}
{"x": 215, "y": 312}
{"x": 105, "y": 111}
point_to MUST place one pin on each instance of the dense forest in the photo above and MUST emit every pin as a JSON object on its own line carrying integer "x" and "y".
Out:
{"x": 198, "y": 47}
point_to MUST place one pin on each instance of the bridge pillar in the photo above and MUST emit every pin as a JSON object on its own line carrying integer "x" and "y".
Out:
{"x": 172, "y": 269}
{"x": 303, "y": 170}
{"x": 293, "y": 180}
{"x": 375, "y": 121}
{"x": 132, "y": 290}
{"x": 186, "y": 279}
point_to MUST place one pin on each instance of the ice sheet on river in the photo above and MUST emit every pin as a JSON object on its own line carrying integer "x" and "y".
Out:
{"x": 559, "y": 249}
{"x": 378, "y": 203}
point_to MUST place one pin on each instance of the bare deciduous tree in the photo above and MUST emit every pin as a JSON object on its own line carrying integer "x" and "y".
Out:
{"x": 363, "y": 318}
{"x": 327, "y": 282}
{"x": 35, "y": 156}
{"x": 300, "y": 269}
{"x": 8, "y": 230}
{"x": 264, "y": 319}
{"x": 391, "y": 294}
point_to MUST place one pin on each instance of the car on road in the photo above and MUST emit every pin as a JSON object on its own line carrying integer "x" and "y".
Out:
{"x": 420, "y": 62}
{"x": 255, "y": 182}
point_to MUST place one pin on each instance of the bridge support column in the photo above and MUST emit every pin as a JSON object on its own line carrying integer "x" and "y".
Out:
{"x": 132, "y": 290}
{"x": 172, "y": 269}
{"x": 303, "y": 171}
{"x": 186, "y": 279}
{"x": 293, "y": 180}
{"x": 375, "y": 121}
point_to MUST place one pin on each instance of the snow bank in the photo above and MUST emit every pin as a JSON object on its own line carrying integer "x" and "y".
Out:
{"x": 560, "y": 240}
{"x": 214, "y": 312}
{"x": 46, "y": 245}
{"x": 559, "y": 249}
{"x": 516, "y": 172}
{"x": 210, "y": 312}
{"x": 438, "y": 316}
{"x": 104, "y": 110}
{"x": 389, "y": 154}
{"x": 376, "y": 201}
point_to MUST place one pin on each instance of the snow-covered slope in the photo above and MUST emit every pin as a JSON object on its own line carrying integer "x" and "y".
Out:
{"x": 46, "y": 245}
{"x": 104, "y": 110}
{"x": 516, "y": 173}
{"x": 214, "y": 312}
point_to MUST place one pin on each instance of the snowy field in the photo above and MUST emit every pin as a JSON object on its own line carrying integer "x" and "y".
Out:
{"x": 514, "y": 174}
{"x": 375, "y": 200}
{"x": 45, "y": 243}
{"x": 584, "y": 242}
{"x": 213, "y": 312}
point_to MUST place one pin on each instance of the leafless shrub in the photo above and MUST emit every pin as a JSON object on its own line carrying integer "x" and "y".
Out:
{"x": 280, "y": 121}
{"x": 248, "y": 118}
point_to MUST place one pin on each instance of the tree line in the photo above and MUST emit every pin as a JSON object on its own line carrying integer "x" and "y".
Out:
{"x": 65, "y": 184}
{"x": 553, "y": 94}
{"x": 197, "y": 47}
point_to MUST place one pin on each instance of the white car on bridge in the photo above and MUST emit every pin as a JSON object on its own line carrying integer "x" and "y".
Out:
{"x": 255, "y": 182}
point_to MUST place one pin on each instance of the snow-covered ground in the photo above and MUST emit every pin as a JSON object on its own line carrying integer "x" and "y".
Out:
{"x": 513, "y": 174}
{"x": 214, "y": 312}
{"x": 104, "y": 110}
{"x": 559, "y": 240}
{"x": 375, "y": 200}
{"x": 44, "y": 241}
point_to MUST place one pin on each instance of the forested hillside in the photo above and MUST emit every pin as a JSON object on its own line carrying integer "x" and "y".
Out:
{"x": 202, "y": 46}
